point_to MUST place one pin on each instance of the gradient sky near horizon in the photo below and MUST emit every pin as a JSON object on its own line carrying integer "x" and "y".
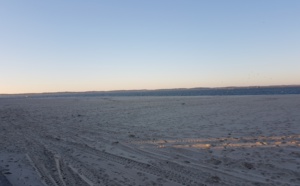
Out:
{"x": 53, "y": 46}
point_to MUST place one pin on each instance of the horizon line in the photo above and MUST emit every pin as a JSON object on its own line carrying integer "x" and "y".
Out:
{"x": 125, "y": 90}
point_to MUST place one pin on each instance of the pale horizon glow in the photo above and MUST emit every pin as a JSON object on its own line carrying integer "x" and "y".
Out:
{"x": 55, "y": 46}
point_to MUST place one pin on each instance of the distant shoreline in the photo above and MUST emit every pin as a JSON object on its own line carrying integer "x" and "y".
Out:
{"x": 251, "y": 90}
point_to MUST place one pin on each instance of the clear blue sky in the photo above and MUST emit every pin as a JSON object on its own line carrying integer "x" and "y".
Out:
{"x": 49, "y": 46}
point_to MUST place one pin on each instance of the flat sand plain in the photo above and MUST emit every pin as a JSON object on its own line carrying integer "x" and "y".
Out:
{"x": 218, "y": 140}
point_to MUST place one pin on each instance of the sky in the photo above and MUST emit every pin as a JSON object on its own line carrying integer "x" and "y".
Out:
{"x": 96, "y": 45}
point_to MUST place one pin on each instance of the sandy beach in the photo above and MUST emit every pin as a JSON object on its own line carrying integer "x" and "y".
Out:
{"x": 128, "y": 141}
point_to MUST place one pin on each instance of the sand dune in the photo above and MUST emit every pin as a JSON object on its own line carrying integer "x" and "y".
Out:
{"x": 229, "y": 140}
